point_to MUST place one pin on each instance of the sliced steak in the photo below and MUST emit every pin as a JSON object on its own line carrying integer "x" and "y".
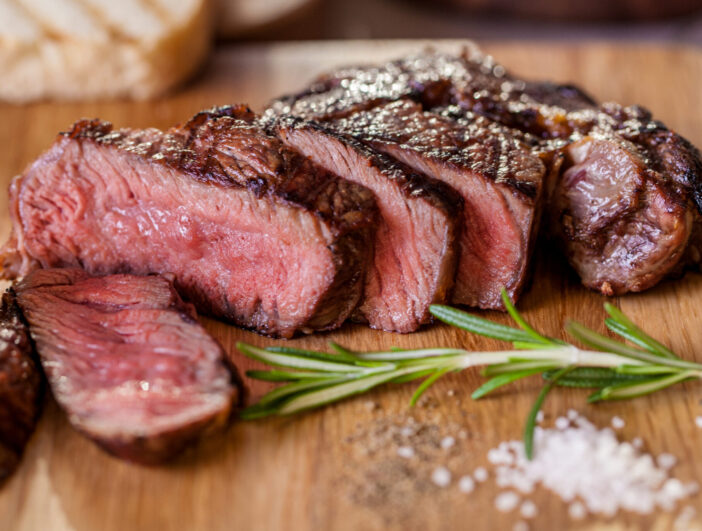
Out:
{"x": 255, "y": 233}
{"x": 415, "y": 255}
{"x": 127, "y": 360}
{"x": 21, "y": 386}
{"x": 648, "y": 228}
{"x": 497, "y": 177}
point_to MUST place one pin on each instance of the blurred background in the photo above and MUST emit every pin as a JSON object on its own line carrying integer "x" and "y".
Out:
{"x": 668, "y": 20}
{"x": 92, "y": 50}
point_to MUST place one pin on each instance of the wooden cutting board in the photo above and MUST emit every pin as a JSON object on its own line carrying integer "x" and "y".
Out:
{"x": 330, "y": 469}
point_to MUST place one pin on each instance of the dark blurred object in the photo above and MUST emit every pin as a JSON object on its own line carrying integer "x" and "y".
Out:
{"x": 591, "y": 10}
{"x": 251, "y": 19}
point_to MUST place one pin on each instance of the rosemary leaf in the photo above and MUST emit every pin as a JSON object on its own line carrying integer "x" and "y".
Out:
{"x": 501, "y": 380}
{"x": 517, "y": 317}
{"x": 426, "y": 384}
{"x": 478, "y": 325}
{"x": 634, "y": 333}
{"x": 632, "y": 390}
{"x": 287, "y": 376}
{"x": 313, "y": 354}
{"x": 288, "y": 390}
{"x": 297, "y": 361}
{"x": 531, "y": 419}
{"x": 520, "y": 365}
{"x": 593, "y": 377}
{"x": 605, "y": 344}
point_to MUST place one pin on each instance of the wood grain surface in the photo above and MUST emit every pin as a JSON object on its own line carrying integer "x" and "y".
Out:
{"x": 327, "y": 469}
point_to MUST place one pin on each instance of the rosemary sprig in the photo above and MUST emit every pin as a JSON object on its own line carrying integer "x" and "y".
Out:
{"x": 614, "y": 369}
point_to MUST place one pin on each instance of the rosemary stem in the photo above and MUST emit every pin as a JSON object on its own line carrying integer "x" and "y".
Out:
{"x": 565, "y": 356}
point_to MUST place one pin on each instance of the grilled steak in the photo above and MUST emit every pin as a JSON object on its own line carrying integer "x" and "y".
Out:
{"x": 472, "y": 80}
{"x": 624, "y": 205}
{"x": 414, "y": 260}
{"x": 497, "y": 177}
{"x": 623, "y": 192}
{"x": 254, "y": 233}
{"x": 20, "y": 386}
{"x": 127, "y": 360}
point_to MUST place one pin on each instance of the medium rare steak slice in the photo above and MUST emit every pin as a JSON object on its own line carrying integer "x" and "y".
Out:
{"x": 415, "y": 254}
{"x": 497, "y": 177}
{"x": 127, "y": 360}
{"x": 21, "y": 386}
{"x": 254, "y": 232}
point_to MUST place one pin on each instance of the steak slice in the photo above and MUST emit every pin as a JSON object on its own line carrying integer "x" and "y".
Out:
{"x": 255, "y": 233}
{"x": 414, "y": 262}
{"x": 127, "y": 360}
{"x": 624, "y": 207}
{"x": 498, "y": 178}
{"x": 21, "y": 386}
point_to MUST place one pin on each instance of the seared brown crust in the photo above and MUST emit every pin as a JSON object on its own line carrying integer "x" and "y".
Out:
{"x": 21, "y": 386}
{"x": 408, "y": 181}
{"x": 470, "y": 79}
{"x": 479, "y": 146}
{"x": 275, "y": 171}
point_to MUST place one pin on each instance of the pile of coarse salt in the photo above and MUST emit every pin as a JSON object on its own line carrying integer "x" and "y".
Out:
{"x": 590, "y": 469}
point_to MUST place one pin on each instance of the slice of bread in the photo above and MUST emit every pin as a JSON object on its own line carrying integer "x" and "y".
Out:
{"x": 99, "y": 49}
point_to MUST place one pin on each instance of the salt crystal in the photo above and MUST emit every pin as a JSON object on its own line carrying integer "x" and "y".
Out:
{"x": 480, "y": 474}
{"x": 407, "y": 431}
{"x": 466, "y": 484}
{"x": 577, "y": 511}
{"x": 370, "y": 405}
{"x": 520, "y": 525}
{"x": 441, "y": 477}
{"x": 507, "y": 501}
{"x": 405, "y": 451}
{"x": 698, "y": 421}
{"x": 540, "y": 417}
{"x": 590, "y": 469}
{"x": 562, "y": 423}
{"x": 666, "y": 461}
{"x": 618, "y": 423}
{"x": 451, "y": 392}
{"x": 528, "y": 509}
{"x": 447, "y": 442}
{"x": 572, "y": 414}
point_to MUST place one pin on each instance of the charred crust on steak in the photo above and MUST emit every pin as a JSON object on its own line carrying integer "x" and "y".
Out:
{"x": 283, "y": 175}
{"x": 21, "y": 385}
{"x": 409, "y": 181}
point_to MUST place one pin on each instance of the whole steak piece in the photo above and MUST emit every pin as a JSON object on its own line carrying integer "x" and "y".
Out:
{"x": 21, "y": 386}
{"x": 127, "y": 360}
{"x": 254, "y": 233}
